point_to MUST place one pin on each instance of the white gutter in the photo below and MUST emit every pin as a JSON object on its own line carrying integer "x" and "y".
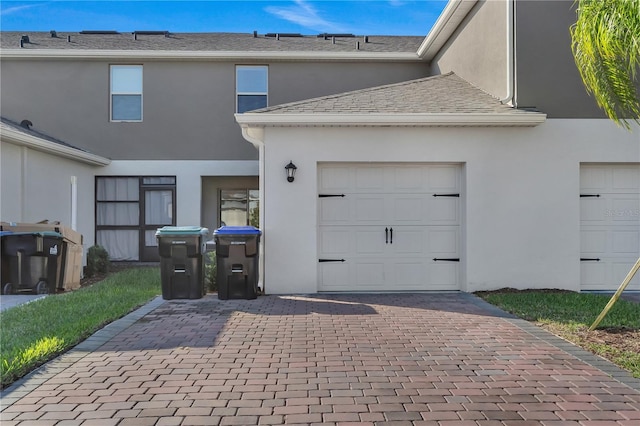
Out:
{"x": 255, "y": 135}
{"x": 448, "y": 21}
{"x": 179, "y": 55}
{"x": 509, "y": 99}
{"x": 252, "y": 120}
{"x": 21, "y": 139}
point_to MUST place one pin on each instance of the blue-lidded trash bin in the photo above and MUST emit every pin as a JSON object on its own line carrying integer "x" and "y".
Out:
{"x": 237, "y": 254}
{"x": 182, "y": 251}
{"x": 31, "y": 261}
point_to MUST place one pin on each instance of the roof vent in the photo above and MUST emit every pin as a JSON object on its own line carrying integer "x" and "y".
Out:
{"x": 26, "y": 124}
{"x": 255, "y": 34}
{"x": 53, "y": 33}
{"x": 98, "y": 32}
{"x": 164, "y": 33}
{"x": 278, "y": 35}
{"x": 327, "y": 36}
{"x": 366, "y": 39}
{"x": 24, "y": 39}
{"x": 357, "y": 45}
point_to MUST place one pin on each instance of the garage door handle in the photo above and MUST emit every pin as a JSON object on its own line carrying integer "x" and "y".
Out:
{"x": 589, "y": 259}
{"x": 386, "y": 235}
{"x": 446, "y": 195}
{"x": 330, "y": 260}
{"x": 391, "y": 232}
{"x": 446, "y": 259}
{"x": 330, "y": 195}
{"x": 589, "y": 195}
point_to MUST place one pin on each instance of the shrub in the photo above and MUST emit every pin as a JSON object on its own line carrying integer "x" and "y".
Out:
{"x": 97, "y": 261}
{"x": 211, "y": 271}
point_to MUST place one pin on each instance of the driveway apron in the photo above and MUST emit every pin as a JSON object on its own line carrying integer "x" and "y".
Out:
{"x": 405, "y": 359}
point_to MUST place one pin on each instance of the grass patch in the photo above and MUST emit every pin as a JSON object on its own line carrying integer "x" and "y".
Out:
{"x": 34, "y": 333}
{"x": 569, "y": 315}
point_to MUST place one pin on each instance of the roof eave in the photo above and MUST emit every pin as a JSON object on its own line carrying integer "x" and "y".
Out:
{"x": 453, "y": 14}
{"x": 38, "y": 144}
{"x": 391, "y": 120}
{"x": 206, "y": 55}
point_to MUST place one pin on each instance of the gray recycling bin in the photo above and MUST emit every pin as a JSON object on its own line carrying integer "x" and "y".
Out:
{"x": 31, "y": 261}
{"x": 237, "y": 254}
{"x": 182, "y": 251}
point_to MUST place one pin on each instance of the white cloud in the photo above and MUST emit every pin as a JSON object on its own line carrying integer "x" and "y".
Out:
{"x": 303, "y": 14}
{"x": 16, "y": 9}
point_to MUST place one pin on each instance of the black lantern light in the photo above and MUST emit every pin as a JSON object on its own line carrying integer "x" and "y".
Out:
{"x": 291, "y": 171}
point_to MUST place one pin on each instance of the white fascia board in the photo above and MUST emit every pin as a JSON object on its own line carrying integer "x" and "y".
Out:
{"x": 448, "y": 21}
{"x": 208, "y": 55}
{"x": 17, "y": 138}
{"x": 390, "y": 120}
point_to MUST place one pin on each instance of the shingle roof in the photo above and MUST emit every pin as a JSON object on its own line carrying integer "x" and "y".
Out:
{"x": 441, "y": 94}
{"x": 201, "y": 42}
{"x": 5, "y": 123}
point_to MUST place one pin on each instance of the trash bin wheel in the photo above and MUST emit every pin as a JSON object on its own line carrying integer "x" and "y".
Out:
{"x": 42, "y": 287}
{"x": 7, "y": 289}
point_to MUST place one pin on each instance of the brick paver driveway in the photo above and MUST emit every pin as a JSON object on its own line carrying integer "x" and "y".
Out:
{"x": 332, "y": 359}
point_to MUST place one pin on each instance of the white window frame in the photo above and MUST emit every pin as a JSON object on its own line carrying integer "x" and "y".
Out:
{"x": 112, "y": 92}
{"x": 264, "y": 93}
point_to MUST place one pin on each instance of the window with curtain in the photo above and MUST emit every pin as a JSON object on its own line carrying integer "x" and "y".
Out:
{"x": 129, "y": 209}
{"x": 126, "y": 92}
{"x": 251, "y": 87}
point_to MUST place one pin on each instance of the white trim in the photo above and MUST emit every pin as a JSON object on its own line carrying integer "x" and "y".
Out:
{"x": 354, "y": 56}
{"x": 450, "y": 18}
{"x": 525, "y": 119}
{"x": 18, "y": 138}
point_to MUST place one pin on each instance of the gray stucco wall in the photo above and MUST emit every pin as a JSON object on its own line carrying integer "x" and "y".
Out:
{"x": 547, "y": 75}
{"x": 477, "y": 51}
{"x": 188, "y": 106}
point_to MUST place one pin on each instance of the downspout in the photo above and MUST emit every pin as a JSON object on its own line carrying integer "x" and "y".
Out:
{"x": 510, "y": 98}
{"x": 255, "y": 135}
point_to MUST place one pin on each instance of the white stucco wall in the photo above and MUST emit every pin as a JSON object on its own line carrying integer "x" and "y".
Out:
{"x": 37, "y": 186}
{"x": 521, "y": 211}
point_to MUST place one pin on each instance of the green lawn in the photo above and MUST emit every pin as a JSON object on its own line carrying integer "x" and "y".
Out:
{"x": 33, "y": 333}
{"x": 569, "y": 315}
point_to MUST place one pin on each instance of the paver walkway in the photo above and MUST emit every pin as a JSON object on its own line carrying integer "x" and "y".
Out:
{"x": 393, "y": 359}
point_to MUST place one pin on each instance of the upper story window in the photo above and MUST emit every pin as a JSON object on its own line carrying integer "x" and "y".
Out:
{"x": 251, "y": 87}
{"x": 126, "y": 92}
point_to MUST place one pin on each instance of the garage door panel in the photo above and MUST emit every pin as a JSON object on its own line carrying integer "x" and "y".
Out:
{"x": 334, "y": 275}
{"x": 444, "y": 210}
{"x": 593, "y": 242}
{"x": 368, "y": 241}
{"x": 369, "y": 179}
{"x": 625, "y": 209}
{"x": 369, "y": 275}
{"x": 369, "y": 209}
{"x": 625, "y": 179}
{"x": 335, "y": 241}
{"x": 443, "y": 275}
{"x": 408, "y": 241}
{"x": 593, "y": 210}
{"x": 444, "y": 241}
{"x": 334, "y": 211}
{"x": 334, "y": 179}
{"x": 620, "y": 269}
{"x": 625, "y": 242}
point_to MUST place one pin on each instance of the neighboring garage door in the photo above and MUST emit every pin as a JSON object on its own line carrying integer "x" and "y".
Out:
{"x": 388, "y": 227}
{"x": 610, "y": 225}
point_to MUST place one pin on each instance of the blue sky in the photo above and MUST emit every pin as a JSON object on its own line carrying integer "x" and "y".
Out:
{"x": 378, "y": 17}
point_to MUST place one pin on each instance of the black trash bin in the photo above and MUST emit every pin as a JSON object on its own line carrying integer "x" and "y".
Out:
{"x": 182, "y": 261}
{"x": 32, "y": 261}
{"x": 237, "y": 254}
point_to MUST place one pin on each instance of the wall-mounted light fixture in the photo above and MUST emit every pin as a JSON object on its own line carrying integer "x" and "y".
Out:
{"x": 291, "y": 171}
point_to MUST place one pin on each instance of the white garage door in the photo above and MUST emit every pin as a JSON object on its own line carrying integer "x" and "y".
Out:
{"x": 389, "y": 227}
{"x": 610, "y": 225}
